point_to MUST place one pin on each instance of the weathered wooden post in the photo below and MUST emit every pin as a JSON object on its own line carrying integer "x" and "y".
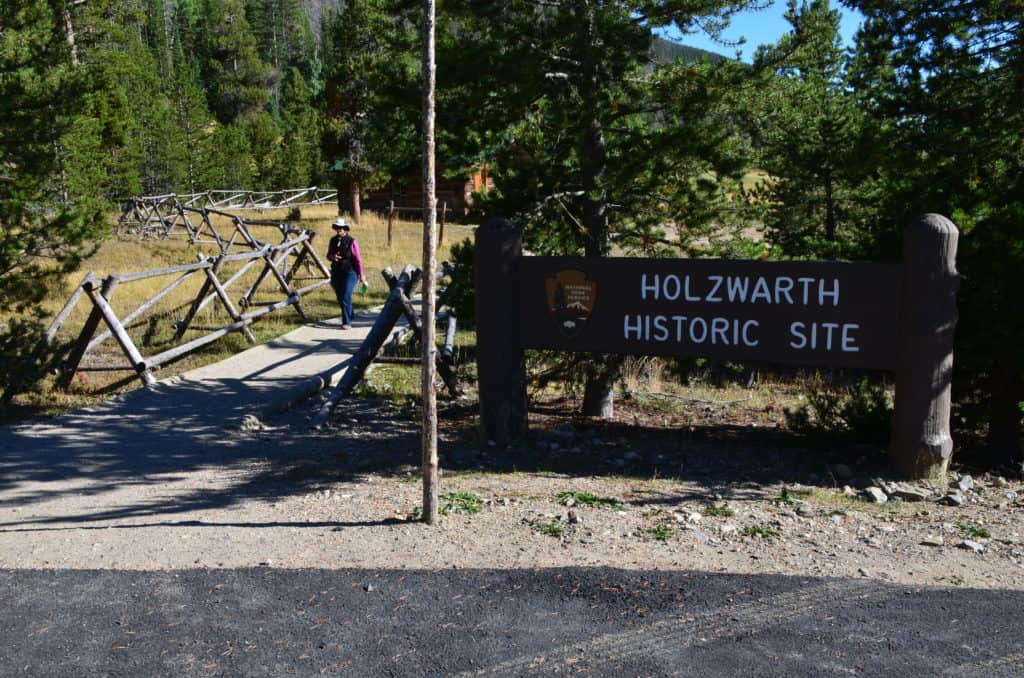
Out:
{"x": 501, "y": 367}
{"x": 444, "y": 215}
{"x": 391, "y": 220}
{"x": 921, "y": 445}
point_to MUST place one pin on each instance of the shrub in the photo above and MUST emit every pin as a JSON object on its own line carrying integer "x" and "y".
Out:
{"x": 863, "y": 413}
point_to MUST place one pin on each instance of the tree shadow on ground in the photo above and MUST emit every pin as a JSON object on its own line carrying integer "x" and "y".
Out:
{"x": 159, "y": 442}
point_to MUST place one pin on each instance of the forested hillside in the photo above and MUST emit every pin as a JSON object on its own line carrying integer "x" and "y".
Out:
{"x": 597, "y": 136}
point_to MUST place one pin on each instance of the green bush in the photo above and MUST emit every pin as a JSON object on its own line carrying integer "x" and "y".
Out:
{"x": 862, "y": 413}
{"x": 460, "y": 292}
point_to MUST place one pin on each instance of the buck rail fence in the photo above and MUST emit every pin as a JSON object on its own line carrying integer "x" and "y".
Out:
{"x": 897, "y": 316}
{"x": 284, "y": 265}
{"x": 165, "y": 216}
{"x": 394, "y": 210}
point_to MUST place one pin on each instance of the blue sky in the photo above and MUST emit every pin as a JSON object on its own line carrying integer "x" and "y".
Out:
{"x": 763, "y": 27}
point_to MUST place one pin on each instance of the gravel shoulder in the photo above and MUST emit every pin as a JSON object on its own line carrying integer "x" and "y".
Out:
{"x": 279, "y": 496}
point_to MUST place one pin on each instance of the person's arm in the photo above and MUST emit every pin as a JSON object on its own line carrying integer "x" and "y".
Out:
{"x": 332, "y": 249}
{"x": 357, "y": 261}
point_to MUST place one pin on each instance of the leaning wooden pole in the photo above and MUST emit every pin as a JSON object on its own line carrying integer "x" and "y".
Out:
{"x": 368, "y": 350}
{"x": 921, "y": 445}
{"x": 428, "y": 372}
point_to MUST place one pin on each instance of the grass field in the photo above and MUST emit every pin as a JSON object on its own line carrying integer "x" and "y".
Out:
{"x": 153, "y": 331}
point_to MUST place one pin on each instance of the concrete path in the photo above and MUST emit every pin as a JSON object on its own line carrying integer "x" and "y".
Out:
{"x": 260, "y": 382}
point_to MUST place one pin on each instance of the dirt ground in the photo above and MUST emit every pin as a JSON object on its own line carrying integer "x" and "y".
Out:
{"x": 731, "y": 494}
{"x": 706, "y": 489}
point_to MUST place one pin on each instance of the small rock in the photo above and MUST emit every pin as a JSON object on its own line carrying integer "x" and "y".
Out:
{"x": 836, "y": 519}
{"x": 1001, "y": 482}
{"x": 932, "y": 540}
{"x": 369, "y": 588}
{"x": 886, "y": 486}
{"x": 1012, "y": 496}
{"x": 728, "y": 528}
{"x": 701, "y": 537}
{"x": 965, "y": 484}
{"x": 693, "y": 517}
{"x": 909, "y": 492}
{"x": 969, "y": 545}
{"x": 805, "y": 511}
{"x": 574, "y": 517}
{"x": 849, "y": 491}
{"x": 953, "y": 499}
{"x": 570, "y": 501}
{"x": 876, "y": 495}
{"x": 863, "y": 572}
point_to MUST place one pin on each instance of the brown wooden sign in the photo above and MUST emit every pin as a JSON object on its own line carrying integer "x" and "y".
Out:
{"x": 808, "y": 313}
{"x": 893, "y": 316}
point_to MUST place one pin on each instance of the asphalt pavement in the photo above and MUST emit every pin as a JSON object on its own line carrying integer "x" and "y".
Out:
{"x": 569, "y": 621}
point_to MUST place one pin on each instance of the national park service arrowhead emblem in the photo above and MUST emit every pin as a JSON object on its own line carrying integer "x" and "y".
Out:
{"x": 571, "y": 300}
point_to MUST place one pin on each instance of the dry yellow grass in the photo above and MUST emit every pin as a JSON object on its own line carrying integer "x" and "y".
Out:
{"x": 154, "y": 330}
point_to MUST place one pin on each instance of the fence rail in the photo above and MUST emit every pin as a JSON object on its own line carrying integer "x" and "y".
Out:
{"x": 280, "y": 262}
{"x": 164, "y": 216}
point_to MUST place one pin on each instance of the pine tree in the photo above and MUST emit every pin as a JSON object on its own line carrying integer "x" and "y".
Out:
{"x": 944, "y": 81}
{"x": 588, "y": 135}
{"x": 300, "y": 150}
{"x": 194, "y": 122}
{"x": 239, "y": 82}
{"x": 42, "y": 233}
{"x": 813, "y": 139}
{"x": 371, "y": 101}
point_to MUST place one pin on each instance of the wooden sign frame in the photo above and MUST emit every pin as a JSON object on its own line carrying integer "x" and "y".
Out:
{"x": 895, "y": 316}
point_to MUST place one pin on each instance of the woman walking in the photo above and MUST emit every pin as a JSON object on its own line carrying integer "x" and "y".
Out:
{"x": 346, "y": 269}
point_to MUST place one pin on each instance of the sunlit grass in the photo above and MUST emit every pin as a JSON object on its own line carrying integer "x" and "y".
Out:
{"x": 154, "y": 330}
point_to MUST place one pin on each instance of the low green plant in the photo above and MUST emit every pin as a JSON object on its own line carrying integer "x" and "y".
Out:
{"x": 552, "y": 528}
{"x": 587, "y": 499}
{"x": 718, "y": 510}
{"x": 759, "y": 531}
{"x": 974, "y": 531}
{"x": 661, "y": 531}
{"x": 863, "y": 413}
{"x": 461, "y": 502}
{"x": 787, "y": 498}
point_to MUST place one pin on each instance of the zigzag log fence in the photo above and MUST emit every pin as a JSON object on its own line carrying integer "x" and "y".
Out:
{"x": 280, "y": 262}
{"x": 396, "y": 306}
{"x": 166, "y": 216}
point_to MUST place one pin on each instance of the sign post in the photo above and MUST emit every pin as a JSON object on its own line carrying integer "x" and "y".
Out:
{"x": 501, "y": 366}
{"x": 870, "y": 315}
{"x": 921, "y": 445}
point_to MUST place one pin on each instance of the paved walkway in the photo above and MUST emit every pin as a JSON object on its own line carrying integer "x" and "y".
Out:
{"x": 260, "y": 382}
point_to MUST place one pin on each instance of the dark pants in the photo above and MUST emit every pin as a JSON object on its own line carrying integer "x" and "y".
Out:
{"x": 343, "y": 286}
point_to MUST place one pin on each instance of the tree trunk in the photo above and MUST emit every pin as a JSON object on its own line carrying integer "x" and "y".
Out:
{"x": 356, "y": 211}
{"x": 428, "y": 437}
{"x": 830, "y": 209}
{"x": 598, "y": 400}
{"x": 599, "y": 393}
{"x": 1004, "y": 433}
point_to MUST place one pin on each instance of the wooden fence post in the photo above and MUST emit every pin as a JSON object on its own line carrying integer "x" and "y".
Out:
{"x": 501, "y": 366}
{"x": 440, "y": 232}
{"x": 921, "y": 445}
{"x": 80, "y": 347}
{"x": 391, "y": 220}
